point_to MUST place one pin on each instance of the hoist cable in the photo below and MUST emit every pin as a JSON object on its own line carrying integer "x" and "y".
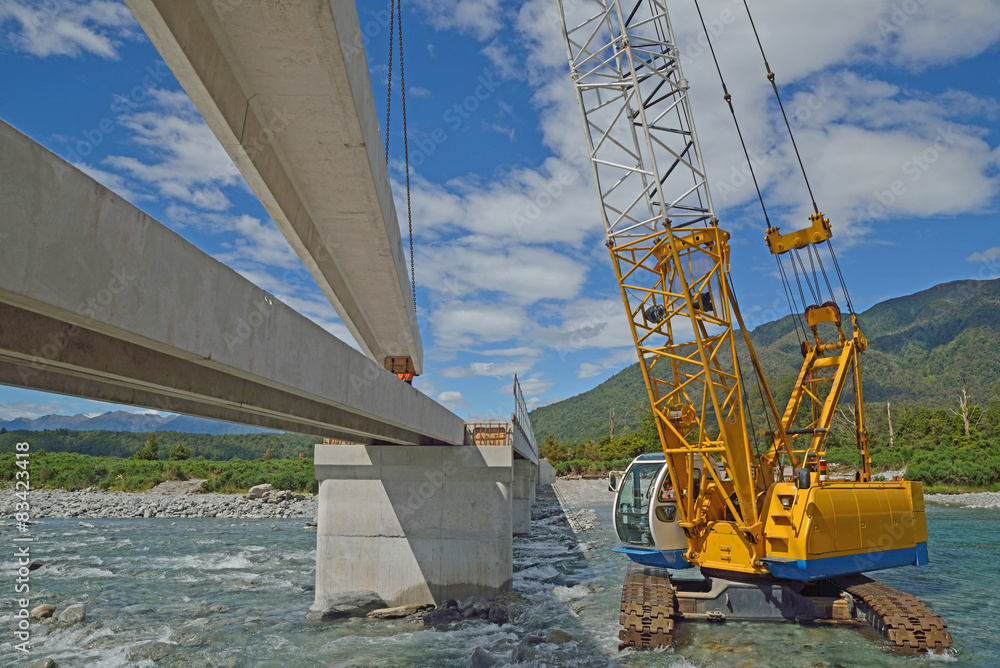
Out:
{"x": 396, "y": 18}
{"x": 777, "y": 95}
{"x": 406, "y": 155}
{"x": 843, "y": 285}
{"x": 729, "y": 100}
{"x": 798, "y": 282}
{"x": 826, "y": 278}
{"x": 796, "y": 319}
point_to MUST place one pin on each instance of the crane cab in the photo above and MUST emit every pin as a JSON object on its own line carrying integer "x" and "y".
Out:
{"x": 646, "y": 515}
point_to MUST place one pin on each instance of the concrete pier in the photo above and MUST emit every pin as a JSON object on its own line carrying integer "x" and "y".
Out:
{"x": 415, "y": 524}
{"x": 523, "y": 491}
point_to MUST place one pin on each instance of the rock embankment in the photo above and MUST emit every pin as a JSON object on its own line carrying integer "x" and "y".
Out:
{"x": 52, "y": 503}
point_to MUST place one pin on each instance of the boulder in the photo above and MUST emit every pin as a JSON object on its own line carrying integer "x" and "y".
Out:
{"x": 558, "y": 637}
{"x": 42, "y": 612}
{"x": 441, "y": 616}
{"x": 479, "y": 658}
{"x": 481, "y": 607}
{"x": 43, "y": 663}
{"x": 153, "y": 651}
{"x": 356, "y": 603}
{"x": 498, "y": 615}
{"x": 35, "y": 565}
{"x": 73, "y": 615}
{"x": 257, "y": 491}
{"x": 399, "y": 611}
{"x": 467, "y": 603}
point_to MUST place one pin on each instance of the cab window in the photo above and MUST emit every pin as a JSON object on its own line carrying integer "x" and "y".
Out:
{"x": 632, "y": 511}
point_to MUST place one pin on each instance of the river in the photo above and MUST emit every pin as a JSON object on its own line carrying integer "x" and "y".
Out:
{"x": 212, "y": 592}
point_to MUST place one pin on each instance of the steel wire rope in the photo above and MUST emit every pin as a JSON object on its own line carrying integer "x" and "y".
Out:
{"x": 396, "y": 18}
{"x": 791, "y": 136}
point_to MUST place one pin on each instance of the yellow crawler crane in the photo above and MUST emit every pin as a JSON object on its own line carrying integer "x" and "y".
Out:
{"x": 773, "y": 536}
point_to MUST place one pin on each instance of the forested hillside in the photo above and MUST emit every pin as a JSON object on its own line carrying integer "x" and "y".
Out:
{"x": 923, "y": 350}
{"x": 126, "y": 444}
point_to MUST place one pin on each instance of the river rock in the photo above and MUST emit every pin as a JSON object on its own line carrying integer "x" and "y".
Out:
{"x": 467, "y": 603}
{"x": 479, "y": 658}
{"x": 441, "y": 616}
{"x": 73, "y": 615}
{"x": 558, "y": 637}
{"x": 257, "y": 491}
{"x": 43, "y": 663}
{"x": 498, "y": 615}
{"x": 153, "y": 651}
{"x": 35, "y": 565}
{"x": 42, "y": 612}
{"x": 481, "y": 607}
{"x": 356, "y": 603}
{"x": 147, "y": 513}
{"x": 399, "y": 611}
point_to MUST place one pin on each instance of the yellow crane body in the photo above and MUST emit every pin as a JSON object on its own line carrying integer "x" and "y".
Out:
{"x": 775, "y": 537}
{"x": 838, "y": 528}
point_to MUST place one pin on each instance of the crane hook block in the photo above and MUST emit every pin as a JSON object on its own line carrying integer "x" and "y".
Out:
{"x": 818, "y": 232}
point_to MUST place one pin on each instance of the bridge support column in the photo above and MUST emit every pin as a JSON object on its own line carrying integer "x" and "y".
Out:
{"x": 417, "y": 524}
{"x": 523, "y": 490}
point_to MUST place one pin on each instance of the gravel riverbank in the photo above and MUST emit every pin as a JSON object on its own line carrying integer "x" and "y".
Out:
{"x": 968, "y": 500}
{"x": 50, "y": 503}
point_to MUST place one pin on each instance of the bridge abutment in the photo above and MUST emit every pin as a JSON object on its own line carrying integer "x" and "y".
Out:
{"x": 416, "y": 524}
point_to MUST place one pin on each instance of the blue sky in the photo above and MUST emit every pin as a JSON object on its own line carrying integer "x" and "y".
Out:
{"x": 511, "y": 271}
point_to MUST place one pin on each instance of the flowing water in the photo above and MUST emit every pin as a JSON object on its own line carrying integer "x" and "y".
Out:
{"x": 159, "y": 580}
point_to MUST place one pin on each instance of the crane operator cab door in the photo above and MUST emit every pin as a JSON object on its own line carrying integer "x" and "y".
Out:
{"x": 647, "y": 518}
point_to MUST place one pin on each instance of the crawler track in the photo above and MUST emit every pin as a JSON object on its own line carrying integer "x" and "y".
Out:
{"x": 900, "y": 617}
{"x": 647, "y": 608}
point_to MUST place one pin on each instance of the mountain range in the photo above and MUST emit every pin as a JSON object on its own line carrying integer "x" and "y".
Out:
{"x": 923, "y": 349}
{"x": 132, "y": 422}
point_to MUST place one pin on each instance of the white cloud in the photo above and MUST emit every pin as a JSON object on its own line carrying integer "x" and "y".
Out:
{"x": 552, "y": 204}
{"x": 989, "y": 255}
{"x": 11, "y": 411}
{"x": 65, "y": 28}
{"x": 534, "y": 386}
{"x": 452, "y": 400}
{"x": 523, "y": 274}
{"x": 491, "y": 369}
{"x": 615, "y": 361}
{"x": 520, "y": 351}
{"x": 480, "y": 18}
{"x": 114, "y": 182}
{"x": 585, "y": 324}
{"x": 184, "y": 160}
{"x": 463, "y": 324}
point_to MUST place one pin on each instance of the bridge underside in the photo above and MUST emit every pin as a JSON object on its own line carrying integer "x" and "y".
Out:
{"x": 285, "y": 88}
{"x": 99, "y": 300}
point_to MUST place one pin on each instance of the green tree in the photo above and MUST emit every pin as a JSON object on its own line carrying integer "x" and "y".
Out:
{"x": 180, "y": 452}
{"x": 150, "y": 450}
{"x": 269, "y": 453}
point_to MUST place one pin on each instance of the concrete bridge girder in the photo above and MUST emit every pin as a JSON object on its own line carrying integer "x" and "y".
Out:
{"x": 285, "y": 88}
{"x": 97, "y": 299}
